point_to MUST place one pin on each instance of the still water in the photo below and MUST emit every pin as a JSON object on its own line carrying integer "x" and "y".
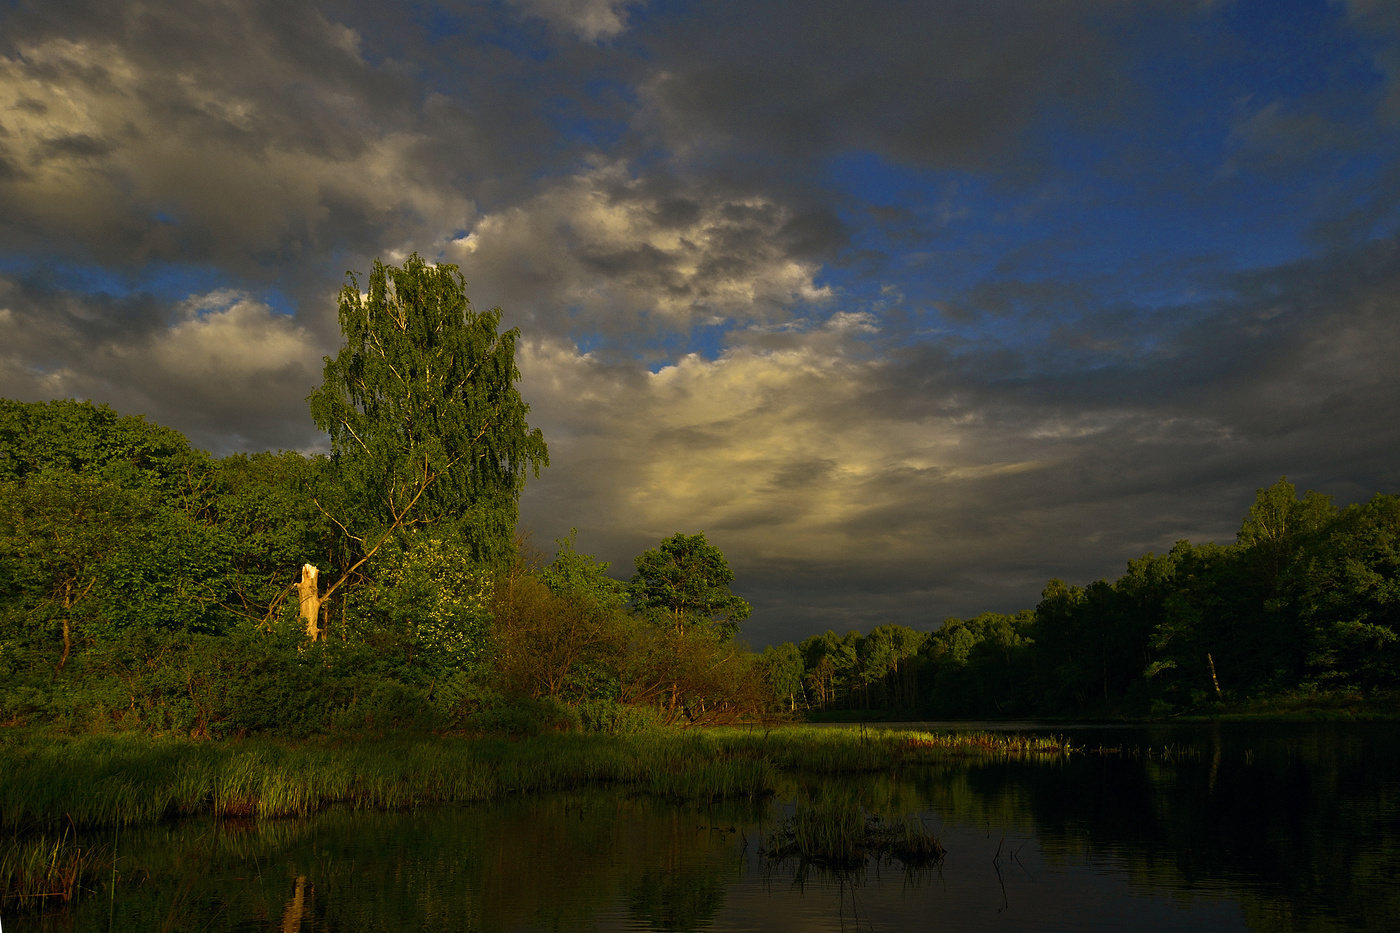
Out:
{"x": 1190, "y": 827}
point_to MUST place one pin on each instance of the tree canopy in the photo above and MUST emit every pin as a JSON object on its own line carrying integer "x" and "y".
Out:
{"x": 425, "y": 421}
{"x": 684, "y": 582}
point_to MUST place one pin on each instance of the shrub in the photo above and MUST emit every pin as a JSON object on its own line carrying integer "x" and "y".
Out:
{"x": 522, "y": 717}
{"x": 612, "y": 718}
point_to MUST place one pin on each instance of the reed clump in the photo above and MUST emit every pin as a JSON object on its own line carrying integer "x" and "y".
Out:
{"x": 39, "y": 870}
{"x": 131, "y": 779}
{"x": 849, "y": 750}
{"x": 845, "y": 837}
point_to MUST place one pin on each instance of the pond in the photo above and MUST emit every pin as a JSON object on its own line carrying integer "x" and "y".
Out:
{"x": 1207, "y": 827}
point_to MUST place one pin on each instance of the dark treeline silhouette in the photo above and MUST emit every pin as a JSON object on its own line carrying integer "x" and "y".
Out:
{"x": 1305, "y": 602}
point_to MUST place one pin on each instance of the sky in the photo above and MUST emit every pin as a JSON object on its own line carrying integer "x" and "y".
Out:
{"x": 909, "y": 307}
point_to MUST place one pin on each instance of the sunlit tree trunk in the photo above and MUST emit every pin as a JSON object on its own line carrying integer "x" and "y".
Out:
{"x": 309, "y": 591}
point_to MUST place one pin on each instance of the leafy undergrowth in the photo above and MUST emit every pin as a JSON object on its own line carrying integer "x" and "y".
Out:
{"x": 1303, "y": 705}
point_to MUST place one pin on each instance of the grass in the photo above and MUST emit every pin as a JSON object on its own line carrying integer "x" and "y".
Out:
{"x": 41, "y": 869}
{"x": 1302, "y": 706}
{"x": 132, "y": 779}
{"x": 51, "y": 785}
{"x": 808, "y": 749}
{"x": 845, "y": 837}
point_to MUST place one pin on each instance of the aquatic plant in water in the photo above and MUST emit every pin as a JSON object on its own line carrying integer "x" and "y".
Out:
{"x": 845, "y": 836}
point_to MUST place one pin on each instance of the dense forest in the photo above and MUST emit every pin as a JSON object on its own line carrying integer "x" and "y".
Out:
{"x": 145, "y": 584}
{"x": 1306, "y": 602}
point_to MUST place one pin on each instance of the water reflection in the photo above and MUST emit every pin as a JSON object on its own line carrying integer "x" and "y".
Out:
{"x": 1219, "y": 828}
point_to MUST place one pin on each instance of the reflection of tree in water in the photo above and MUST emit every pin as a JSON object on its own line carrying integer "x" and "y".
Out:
{"x": 1302, "y": 823}
{"x": 296, "y": 907}
{"x": 1303, "y": 828}
{"x": 534, "y": 863}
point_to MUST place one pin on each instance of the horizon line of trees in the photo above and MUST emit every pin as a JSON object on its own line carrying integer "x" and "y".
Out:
{"x": 144, "y": 583}
{"x": 142, "y": 580}
{"x": 1306, "y": 600}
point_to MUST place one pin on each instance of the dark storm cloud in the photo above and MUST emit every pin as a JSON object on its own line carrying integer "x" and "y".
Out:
{"x": 221, "y": 367}
{"x": 720, "y": 227}
{"x": 274, "y": 136}
{"x": 950, "y": 83}
{"x": 1293, "y": 374}
{"x": 950, "y": 478}
{"x": 608, "y": 253}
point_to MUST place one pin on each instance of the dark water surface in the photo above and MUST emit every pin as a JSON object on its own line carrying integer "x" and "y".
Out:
{"x": 1204, "y": 827}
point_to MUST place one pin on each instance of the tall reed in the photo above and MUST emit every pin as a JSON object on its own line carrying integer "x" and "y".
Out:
{"x": 132, "y": 779}
{"x": 36, "y": 870}
{"x": 844, "y": 836}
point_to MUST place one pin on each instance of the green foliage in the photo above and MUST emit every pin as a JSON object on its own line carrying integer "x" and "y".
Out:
{"x": 782, "y": 669}
{"x": 613, "y": 718}
{"x": 684, "y": 583}
{"x": 691, "y": 677}
{"x": 427, "y": 601}
{"x": 979, "y": 666}
{"x": 263, "y": 511}
{"x": 523, "y": 717}
{"x": 1307, "y": 601}
{"x": 146, "y": 586}
{"x": 1306, "y": 598}
{"x": 581, "y": 576}
{"x": 156, "y": 536}
{"x": 426, "y": 424}
{"x": 561, "y": 643}
{"x": 78, "y": 438}
{"x": 876, "y": 671}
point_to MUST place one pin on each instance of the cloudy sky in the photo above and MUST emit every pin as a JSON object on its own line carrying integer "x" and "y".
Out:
{"x": 908, "y": 306}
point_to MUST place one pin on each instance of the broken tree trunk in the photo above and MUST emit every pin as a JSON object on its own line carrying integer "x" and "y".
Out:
{"x": 1213, "y": 680}
{"x": 310, "y": 592}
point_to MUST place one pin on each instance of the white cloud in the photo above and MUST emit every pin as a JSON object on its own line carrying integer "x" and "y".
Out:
{"x": 599, "y": 248}
{"x": 778, "y": 454}
{"x": 590, "y": 20}
{"x": 228, "y": 371}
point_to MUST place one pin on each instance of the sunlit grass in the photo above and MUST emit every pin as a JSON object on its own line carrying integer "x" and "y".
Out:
{"x": 133, "y": 779}
{"x": 830, "y": 751}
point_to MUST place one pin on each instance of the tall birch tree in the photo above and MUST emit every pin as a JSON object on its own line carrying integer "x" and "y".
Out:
{"x": 426, "y": 424}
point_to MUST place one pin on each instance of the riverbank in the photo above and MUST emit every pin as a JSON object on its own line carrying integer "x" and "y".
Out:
{"x": 1289, "y": 707}
{"x": 52, "y": 787}
{"x": 51, "y": 781}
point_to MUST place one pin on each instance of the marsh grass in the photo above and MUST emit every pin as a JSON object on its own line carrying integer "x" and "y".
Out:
{"x": 52, "y": 787}
{"x": 844, "y": 836}
{"x": 40, "y": 869}
{"x": 133, "y": 779}
{"x": 848, "y": 750}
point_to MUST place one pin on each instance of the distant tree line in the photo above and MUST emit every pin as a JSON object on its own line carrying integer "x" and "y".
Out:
{"x": 1307, "y": 600}
{"x": 146, "y": 584}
